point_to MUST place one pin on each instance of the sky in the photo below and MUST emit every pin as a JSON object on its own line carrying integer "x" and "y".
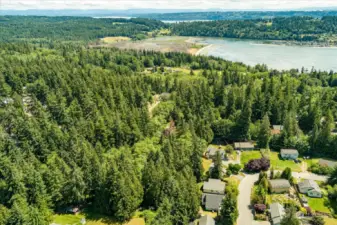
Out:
{"x": 165, "y": 4}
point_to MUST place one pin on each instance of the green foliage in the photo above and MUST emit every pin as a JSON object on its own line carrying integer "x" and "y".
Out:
{"x": 229, "y": 211}
{"x": 287, "y": 174}
{"x": 233, "y": 169}
{"x": 317, "y": 220}
{"x": 217, "y": 171}
{"x": 290, "y": 217}
{"x": 264, "y": 133}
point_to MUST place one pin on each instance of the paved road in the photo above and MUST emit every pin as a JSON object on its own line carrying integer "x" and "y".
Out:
{"x": 246, "y": 216}
{"x": 245, "y": 213}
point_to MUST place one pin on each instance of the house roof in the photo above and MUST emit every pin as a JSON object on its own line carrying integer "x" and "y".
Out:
{"x": 214, "y": 185}
{"x": 243, "y": 145}
{"x": 309, "y": 184}
{"x": 279, "y": 183}
{"x": 206, "y": 220}
{"x": 212, "y": 201}
{"x": 289, "y": 151}
{"x": 277, "y": 127}
{"x": 324, "y": 162}
{"x": 213, "y": 150}
{"x": 276, "y": 212}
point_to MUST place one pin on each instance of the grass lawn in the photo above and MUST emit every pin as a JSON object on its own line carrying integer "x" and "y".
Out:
{"x": 115, "y": 39}
{"x": 248, "y": 155}
{"x": 279, "y": 164}
{"x": 319, "y": 204}
{"x": 330, "y": 221}
{"x": 92, "y": 219}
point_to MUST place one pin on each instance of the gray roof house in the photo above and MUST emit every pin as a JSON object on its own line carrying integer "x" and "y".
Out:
{"x": 212, "y": 151}
{"x": 277, "y": 213}
{"x": 328, "y": 163}
{"x": 206, "y": 220}
{"x": 310, "y": 188}
{"x": 214, "y": 186}
{"x": 289, "y": 153}
{"x": 243, "y": 146}
{"x": 277, "y": 127}
{"x": 212, "y": 202}
{"x": 279, "y": 185}
{"x": 213, "y": 193}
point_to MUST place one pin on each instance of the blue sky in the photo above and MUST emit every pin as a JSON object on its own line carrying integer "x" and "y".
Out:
{"x": 164, "y": 4}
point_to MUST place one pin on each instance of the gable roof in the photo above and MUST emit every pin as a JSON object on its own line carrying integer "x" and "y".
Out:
{"x": 289, "y": 151}
{"x": 279, "y": 183}
{"x": 324, "y": 162}
{"x": 243, "y": 145}
{"x": 206, "y": 220}
{"x": 276, "y": 212}
{"x": 310, "y": 184}
{"x": 214, "y": 185}
{"x": 212, "y": 201}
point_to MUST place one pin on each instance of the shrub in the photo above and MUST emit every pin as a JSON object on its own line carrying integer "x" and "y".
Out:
{"x": 257, "y": 165}
{"x": 260, "y": 208}
{"x": 318, "y": 169}
{"x": 233, "y": 169}
{"x": 260, "y": 217}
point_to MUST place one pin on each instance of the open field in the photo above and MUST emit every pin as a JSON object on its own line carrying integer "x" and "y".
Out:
{"x": 162, "y": 44}
{"x": 279, "y": 164}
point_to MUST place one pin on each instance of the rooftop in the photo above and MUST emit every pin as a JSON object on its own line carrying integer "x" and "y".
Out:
{"x": 279, "y": 183}
{"x": 212, "y": 201}
{"x": 206, "y": 220}
{"x": 289, "y": 151}
{"x": 276, "y": 212}
{"x": 309, "y": 184}
{"x": 277, "y": 127}
{"x": 243, "y": 145}
{"x": 214, "y": 185}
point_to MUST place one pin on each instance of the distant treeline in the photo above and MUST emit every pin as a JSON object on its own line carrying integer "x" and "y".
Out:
{"x": 72, "y": 28}
{"x": 237, "y": 15}
{"x": 294, "y": 28}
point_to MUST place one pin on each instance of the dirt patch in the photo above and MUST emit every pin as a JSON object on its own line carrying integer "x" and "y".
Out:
{"x": 162, "y": 44}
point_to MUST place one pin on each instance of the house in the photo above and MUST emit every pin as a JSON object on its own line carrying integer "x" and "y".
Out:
{"x": 327, "y": 163}
{"x": 214, "y": 186}
{"x": 310, "y": 188}
{"x": 277, "y": 213}
{"x": 279, "y": 185}
{"x": 243, "y": 146}
{"x": 276, "y": 129}
{"x": 72, "y": 210}
{"x": 212, "y": 202}
{"x": 213, "y": 194}
{"x": 206, "y": 220}
{"x": 289, "y": 154}
{"x": 212, "y": 151}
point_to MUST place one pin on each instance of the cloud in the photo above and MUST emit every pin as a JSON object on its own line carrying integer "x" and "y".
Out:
{"x": 164, "y": 4}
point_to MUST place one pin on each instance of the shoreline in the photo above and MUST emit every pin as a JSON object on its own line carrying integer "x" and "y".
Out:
{"x": 203, "y": 49}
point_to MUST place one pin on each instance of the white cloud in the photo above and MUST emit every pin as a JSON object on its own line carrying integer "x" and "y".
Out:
{"x": 165, "y": 4}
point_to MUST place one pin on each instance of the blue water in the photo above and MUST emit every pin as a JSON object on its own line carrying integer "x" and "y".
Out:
{"x": 274, "y": 56}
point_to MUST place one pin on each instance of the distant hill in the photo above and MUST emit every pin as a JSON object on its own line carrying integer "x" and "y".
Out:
{"x": 235, "y": 15}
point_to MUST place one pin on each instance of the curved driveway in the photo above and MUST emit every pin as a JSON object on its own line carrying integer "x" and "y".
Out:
{"x": 245, "y": 188}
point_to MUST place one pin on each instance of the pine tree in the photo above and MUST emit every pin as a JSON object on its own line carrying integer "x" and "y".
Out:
{"x": 264, "y": 133}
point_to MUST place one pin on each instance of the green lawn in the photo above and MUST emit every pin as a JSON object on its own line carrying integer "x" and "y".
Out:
{"x": 319, "y": 204}
{"x": 330, "y": 221}
{"x": 248, "y": 155}
{"x": 280, "y": 164}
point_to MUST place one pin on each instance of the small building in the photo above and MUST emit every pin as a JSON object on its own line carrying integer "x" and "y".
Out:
{"x": 212, "y": 151}
{"x": 277, "y": 213}
{"x": 289, "y": 154}
{"x": 276, "y": 129}
{"x": 279, "y": 185}
{"x": 213, "y": 194}
{"x": 214, "y": 186}
{"x": 327, "y": 163}
{"x": 206, "y": 220}
{"x": 310, "y": 188}
{"x": 212, "y": 202}
{"x": 244, "y": 146}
